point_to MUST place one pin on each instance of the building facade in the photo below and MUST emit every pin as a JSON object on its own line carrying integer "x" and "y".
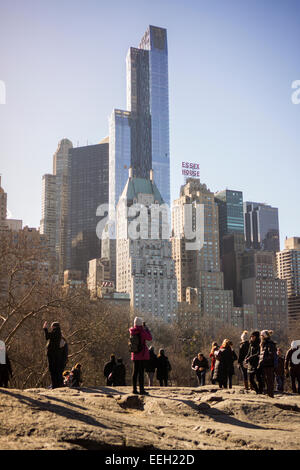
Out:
{"x": 288, "y": 268}
{"x": 261, "y": 226}
{"x": 99, "y": 272}
{"x": 155, "y": 41}
{"x": 196, "y": 267}
{"x": 54, "y": 222}
{"x": 200, "y": 281}
{"x": 261, "y": 287}
{"x": 88, "y": 178}
{"x": 145, "y": 268}
{"x": 139, "y": 136}
{"x": 231, "y": 214}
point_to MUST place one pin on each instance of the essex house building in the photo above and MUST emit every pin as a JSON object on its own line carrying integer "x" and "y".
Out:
{"x": 199, "y": 278}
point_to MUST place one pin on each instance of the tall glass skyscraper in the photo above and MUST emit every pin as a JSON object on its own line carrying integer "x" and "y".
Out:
{"x": 155, "y": 41}
{"x": 139, "y": 136}
{"x": 119, "y": 155}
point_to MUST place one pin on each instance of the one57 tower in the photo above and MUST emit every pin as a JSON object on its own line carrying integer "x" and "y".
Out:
{"x": 139, "y": 136}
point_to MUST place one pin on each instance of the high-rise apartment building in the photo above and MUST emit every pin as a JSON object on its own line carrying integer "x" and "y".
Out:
{"x": 55, "y": 207}
{"x": 155, "y": 41}
{"x": 261, "y": 287}
{"x": 288, "y": 268}
{"x": 261, "y": 226}
{"x": 49, "y": 202}
{"x": 88, "y": 176}
{"x": 196, "y": 268}
{"x": 70, "y": 198}
{"x": 145, "y": 268}
{"x": 139, "y": 136}
{"x": 199, "y": 279}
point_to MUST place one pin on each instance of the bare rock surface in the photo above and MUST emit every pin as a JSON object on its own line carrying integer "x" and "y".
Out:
{"x": 169, "y": 418}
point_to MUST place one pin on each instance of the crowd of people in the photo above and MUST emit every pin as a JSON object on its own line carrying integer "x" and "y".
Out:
{"x": 261, "y": 363}
{"x": 259, "y": 360}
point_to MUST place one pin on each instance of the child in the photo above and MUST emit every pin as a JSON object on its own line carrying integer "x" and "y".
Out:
{"x": 75, "y": 376}
{"x": 66, "y": 377}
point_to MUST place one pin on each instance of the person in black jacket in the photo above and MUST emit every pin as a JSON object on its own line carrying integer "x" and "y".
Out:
{"x": 200, "y": 365}
{"x": 5, "y": 371}
{"x": 163, "y": 368}
{"x": 108, "y": 368}
{"x": 57, "y": 353}
{"x": 266, "y": 363}
{"x": 151, "y": 365}
{"x": 224, "y": 364}
{"x": 119, "y": 373}
{"x": 279, "y": 371}
{"x": 251, "y": 361}
{"x": 243, "y": 351}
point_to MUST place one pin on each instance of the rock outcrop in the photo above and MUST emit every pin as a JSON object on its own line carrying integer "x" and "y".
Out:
{"x": 167, "y": 419}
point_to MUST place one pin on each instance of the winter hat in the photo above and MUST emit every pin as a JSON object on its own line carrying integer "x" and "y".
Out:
{"x": 294, "y": 344}
{"x": 55, "y": 324}
{"x": 138, "y": 321}
{"x": 255, "y": 334}
{"x": 244, "y": 335}
{"x": 265, "y": 334}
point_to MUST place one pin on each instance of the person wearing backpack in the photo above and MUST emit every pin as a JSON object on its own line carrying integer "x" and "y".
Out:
{"x": 139, "y": 334}
{"x": 267, "y": 360}
{"x": 57, "y": 353}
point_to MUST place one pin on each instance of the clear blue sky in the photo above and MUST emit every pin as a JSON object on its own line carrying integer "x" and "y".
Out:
{"x": 231, "y": 66}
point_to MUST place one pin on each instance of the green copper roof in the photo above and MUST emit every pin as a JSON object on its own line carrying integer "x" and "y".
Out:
{"x": 135, "y": 186}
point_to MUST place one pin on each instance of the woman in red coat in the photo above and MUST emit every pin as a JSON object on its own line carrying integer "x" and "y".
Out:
{"x": 139, "y": 358}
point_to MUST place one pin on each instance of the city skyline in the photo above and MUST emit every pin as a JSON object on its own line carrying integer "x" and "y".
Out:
{"x": 240, "y": 123}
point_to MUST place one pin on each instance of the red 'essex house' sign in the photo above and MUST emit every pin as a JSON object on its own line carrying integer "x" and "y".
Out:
{"x": 190, "y": 169}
